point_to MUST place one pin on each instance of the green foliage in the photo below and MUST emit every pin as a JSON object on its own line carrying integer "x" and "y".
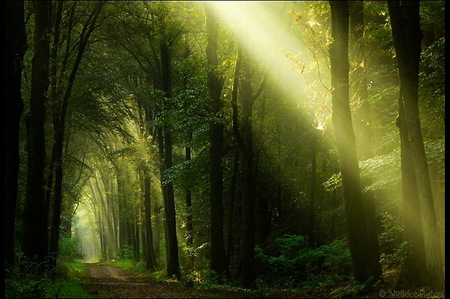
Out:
{"x": 207, "y": 282}
{"x": 348, "y": 291}
{"x": 396, "y": 257}
{"x": 126, "y": 252}
{"x": 291, "y": 263}
{"x": 68, "y": 249}
{"x": 30, "y": 279}
{"x": 391, "y": 232}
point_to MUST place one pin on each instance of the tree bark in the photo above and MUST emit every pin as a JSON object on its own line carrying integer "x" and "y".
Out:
{"x": 248, "y": 184}
{"x": 362, "y": 120}
{"x": 189, "y": 216}
{"x": 407, "y": 36}
{"x": 413, "y": 273}
{"x": 215, "y": 84}
{"x": 35, "y": 238}
{"x": 362, "y": 259}
{"x": 173, "y": 267}
{"x": 15, "y": 46}
{"x": 150, "y": 258}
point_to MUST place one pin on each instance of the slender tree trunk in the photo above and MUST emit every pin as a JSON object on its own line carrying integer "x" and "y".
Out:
{"x": 189, "y": 223}
{"x": 15, "y": 45}
{"x": 150, "y": 258}
{"x": 312, "y": 196}
{"x": 262, "y": 209}
{"x": 173, "y": 267}
{"x": 215, "y": 84}
{"x": 362, "y": 258}
{"x": 35, "y": 238}
{"x": 407, "y": 35}
{"x": 248, "y": 184}
{"x": 231, "y": 210}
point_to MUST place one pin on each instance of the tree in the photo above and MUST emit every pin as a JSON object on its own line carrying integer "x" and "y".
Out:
{"x": 173, "y": 267}
{"x": 60, "y": 107}
{"x": 215, "y": 85}
{"x": 15, "y": 46}
{"x": 364, "y": 263}
{"x": 407, "y": 36}
{"x": 362, "y": 119}
{"x": 35, "y": 214}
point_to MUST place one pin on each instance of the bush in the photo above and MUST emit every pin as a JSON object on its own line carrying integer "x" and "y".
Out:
{"x": 68, "y": 249}
{"x": 126, "y": 252}
{"x": 291, "y": 263}
{"x": 30, "y": 279}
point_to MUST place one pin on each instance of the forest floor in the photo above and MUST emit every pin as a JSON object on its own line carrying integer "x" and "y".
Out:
{"x": 114, "y": 282}
{"x": 108, "y": 281}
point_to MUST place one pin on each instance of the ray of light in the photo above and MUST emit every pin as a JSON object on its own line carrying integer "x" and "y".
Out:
{"x": 266, "y": 36}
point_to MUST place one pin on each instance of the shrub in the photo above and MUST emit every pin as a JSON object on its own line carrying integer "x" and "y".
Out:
{"x": 68, "y": 249}
{"x": 30, "y": 279}
{"x": 291, "y": 263}
{"x": 126, "y": 252}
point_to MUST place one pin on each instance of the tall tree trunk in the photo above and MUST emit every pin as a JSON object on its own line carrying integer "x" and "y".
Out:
{"x": 15, "y": 45}
{"x": 262, "y": 209}
{"x": 407, "y": 35}
{"x": 215, "y": 84}
{"x": 363, "y": 261}
{"x": 173, "y": 267}
{"x": 231, "y": 209}
{"x": 248, "y": 184}
{"x": 362, "y": 119}
{"x": 415, "y": 262}
{"x": 189, "y": 224}
{"x": 150, "y": 259}
{"x": 35, "y": 237}
{"x": 312, "y": 195}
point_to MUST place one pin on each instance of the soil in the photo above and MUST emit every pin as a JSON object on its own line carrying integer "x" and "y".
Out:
{"x": 114, "y": 282}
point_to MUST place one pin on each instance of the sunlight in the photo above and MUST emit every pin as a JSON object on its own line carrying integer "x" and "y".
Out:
{"x": 87, "y": 233}
{"x": 265, "y": 34}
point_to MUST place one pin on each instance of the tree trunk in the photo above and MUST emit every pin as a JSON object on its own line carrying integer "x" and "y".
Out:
{"x": 248, "y": 184}
{"x": 407, "y": 35}
{"x": 415, "y": 262}
{"x": 150, "y": 259}
{"x": 231, "y": 210}
{"x": 215, "y": 84}
{"x": 35, "y": 237}
{"x": 312, "y": 195}
{"x": 363, "y": 261}
{"x": 173, "y": 267}
{"x": 262, "y": 209}
{"x": 189, "y": 224}
{"x": 15, "y": 45}
{"x": 362, "y": 120}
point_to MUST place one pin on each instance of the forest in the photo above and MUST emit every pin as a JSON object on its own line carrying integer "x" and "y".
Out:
{"x": 224, "y": 149}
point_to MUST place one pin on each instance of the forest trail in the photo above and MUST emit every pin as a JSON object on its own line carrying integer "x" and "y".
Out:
{"x": 120, "y": 283}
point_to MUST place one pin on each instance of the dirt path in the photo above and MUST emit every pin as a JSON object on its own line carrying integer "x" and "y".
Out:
{"x": 119, "y": 283}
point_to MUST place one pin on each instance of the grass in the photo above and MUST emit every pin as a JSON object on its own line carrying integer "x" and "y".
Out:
{"x": 71, "y": 283}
